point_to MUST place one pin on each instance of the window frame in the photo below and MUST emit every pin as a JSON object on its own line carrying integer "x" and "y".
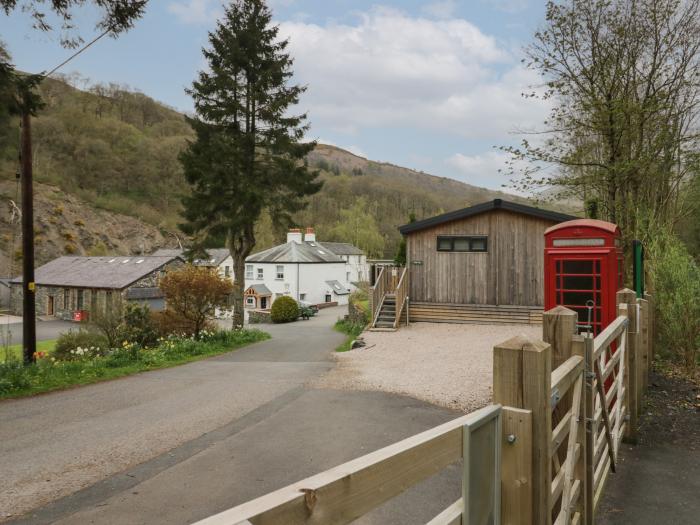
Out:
{"x": 279, "y": 276}
{"x": 249, "y": 271}
{"x": 260, "y": 274}
{"x": 469, "y": 238}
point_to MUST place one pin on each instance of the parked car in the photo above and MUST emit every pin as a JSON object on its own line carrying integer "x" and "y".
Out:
{"x": 307, "y": 310}
{"x": 306, "y": 304}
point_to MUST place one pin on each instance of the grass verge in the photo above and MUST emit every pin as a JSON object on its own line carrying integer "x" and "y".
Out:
{"x": 352, "y": 330}
{"x": 14, "y": 352}
{"x": 48, "y": 374}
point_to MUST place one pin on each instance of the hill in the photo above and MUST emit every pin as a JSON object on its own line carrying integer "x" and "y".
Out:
{"x": 109, "y": 157}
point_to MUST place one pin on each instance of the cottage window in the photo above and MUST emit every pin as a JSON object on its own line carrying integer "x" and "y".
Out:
{"x": 250, "y": 301}
{"x": 248, "y": 271}
{"x": 66, "y": 299}
{"x": 227, "y": 271}
{"x": 462, "y": 243}
{"x": 328, "y": 298}
{"x": 261, "y": 274}
{"x": 279, "y": 273}
{"x": 302, "y": 297}
{"x": 81, "y": 299}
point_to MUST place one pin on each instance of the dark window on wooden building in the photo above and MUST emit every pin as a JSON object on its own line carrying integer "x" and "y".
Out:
{"x": 462, "y": 243}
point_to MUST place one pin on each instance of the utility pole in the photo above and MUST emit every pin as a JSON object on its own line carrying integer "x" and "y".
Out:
{"x": 28, "y": 286}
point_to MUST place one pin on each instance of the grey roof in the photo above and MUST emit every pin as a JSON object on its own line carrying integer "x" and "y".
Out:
{"x": 294, "y": 252}
{"x": 98, "y": 272}
{"x": 260, "y": 289}
{"x": 144, "y": 292}
{"x": 216, "y": 255}
{"x": 496, "y": 204}
{"x": 342, "y": 248}
{"x": 338, "y": 288}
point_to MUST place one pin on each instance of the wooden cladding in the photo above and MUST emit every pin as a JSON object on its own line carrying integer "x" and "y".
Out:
{"x": 474, "y": 314}
{"x": 509, "y": 272}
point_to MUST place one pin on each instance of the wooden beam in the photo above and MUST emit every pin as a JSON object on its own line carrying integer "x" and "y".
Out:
{"x": 346, "y": 492}
{"x": 627, "y": 304}
{"x": 606, "y": 417}
{"x": 516, "y": 466}
{"x": 566, "y": 374}
{"x": 521, "y": 379}
{"x": 452, "y": 515}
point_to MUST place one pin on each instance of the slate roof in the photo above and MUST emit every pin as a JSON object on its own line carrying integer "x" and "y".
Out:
{"x": 338, "y": 288}
{"x": 97, "y": 272}
{"x": 496, "y": 204}
{"x": 294, "y": 252}
{"x": 260, "y": 289}
{"x": 145, "y": 292}
{"x": 216, "y": 255}
{"x": 342, "y": 248}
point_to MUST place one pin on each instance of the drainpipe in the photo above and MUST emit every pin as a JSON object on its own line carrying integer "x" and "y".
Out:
{"x": 298, "y": 285}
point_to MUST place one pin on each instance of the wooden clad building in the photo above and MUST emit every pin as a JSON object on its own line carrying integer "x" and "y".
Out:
{"x": 482, "y": 263}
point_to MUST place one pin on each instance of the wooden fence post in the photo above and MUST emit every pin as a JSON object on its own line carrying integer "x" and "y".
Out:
{"x": 628, "y": 298}
{"x": 652, "y": 327}
{"x": 591, "y": 430}
{"x": 522, "y": 379}
{"x": 559, "y": 329}
{"x": 643, "y": 340}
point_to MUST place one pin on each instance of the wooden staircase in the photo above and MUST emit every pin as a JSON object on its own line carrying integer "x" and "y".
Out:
{"x": 389, "y": 299}
{"x": 387, "y": 312}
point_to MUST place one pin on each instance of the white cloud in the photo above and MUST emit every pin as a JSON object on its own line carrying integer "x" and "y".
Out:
{"x": 481, "y": 169}
{"x": 195, "y": 11}
{"x": 440, "y": 9}
{"x": 509, "y": 6}
{"x": 391, "y": 69}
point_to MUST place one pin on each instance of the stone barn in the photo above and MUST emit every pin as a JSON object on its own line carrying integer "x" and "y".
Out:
{"x": 74, "y": 287}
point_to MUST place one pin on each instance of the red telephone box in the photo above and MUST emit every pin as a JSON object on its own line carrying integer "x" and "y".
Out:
{"x": 582, "y": 268}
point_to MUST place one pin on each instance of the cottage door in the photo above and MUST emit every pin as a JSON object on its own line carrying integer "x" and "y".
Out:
{"x": 50, "y": 305}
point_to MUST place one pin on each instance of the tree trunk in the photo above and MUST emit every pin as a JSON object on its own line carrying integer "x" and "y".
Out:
{"x": 239, "y": 246}
{"x": 238, "y": 289}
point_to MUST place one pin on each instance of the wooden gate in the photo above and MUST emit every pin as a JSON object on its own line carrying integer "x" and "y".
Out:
{"x": 540, "y": 455}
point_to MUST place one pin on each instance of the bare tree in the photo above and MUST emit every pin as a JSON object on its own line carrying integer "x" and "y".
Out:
{"x": 623, "y": 131}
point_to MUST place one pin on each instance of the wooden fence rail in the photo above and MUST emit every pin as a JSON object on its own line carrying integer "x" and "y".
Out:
{"x": 344, "y": 493}
{"x": 401, "y": 294}
{"x": 540, "y": 455}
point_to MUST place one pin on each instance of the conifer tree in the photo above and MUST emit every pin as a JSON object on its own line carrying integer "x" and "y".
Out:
{"x": 248, "y": 155}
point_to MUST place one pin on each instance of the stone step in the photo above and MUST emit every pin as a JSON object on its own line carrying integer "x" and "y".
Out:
{"x": 384, "y": 324}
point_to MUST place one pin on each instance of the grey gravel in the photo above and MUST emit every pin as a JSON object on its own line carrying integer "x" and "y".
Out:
{"x": 446, "y": 364}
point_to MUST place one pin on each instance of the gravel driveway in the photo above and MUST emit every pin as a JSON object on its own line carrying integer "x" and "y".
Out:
{"x": 445, "y": 364}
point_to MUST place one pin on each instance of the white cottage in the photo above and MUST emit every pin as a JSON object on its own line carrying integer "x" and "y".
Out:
{"x": 357, "y": 270}
{"x": 302, "y": 268}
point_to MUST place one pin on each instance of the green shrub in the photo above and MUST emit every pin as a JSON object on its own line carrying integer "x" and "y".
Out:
{"x": 13, "y": 377}
{"x": 676, "y": 289}
{"x": 138, "y": 326}
{"x": 284, "y": 310}
{"x": 78, "y": 345}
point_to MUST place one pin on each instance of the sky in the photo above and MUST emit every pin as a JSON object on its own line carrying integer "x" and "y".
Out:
{"x": 430, "y": 85}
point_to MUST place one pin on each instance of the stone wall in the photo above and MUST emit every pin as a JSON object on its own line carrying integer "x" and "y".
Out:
{"x": 65, "y": 300}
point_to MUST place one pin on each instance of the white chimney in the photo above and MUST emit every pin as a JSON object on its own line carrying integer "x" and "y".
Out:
{"x": 310, "y": 235}
{"x": 294, "y": 235}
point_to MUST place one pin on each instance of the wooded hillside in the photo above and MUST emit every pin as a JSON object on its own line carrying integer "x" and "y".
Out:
{"x": 117, "y": 150}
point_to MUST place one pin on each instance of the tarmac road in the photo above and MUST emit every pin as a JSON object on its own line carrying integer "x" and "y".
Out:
{"x": 176, "y": 445}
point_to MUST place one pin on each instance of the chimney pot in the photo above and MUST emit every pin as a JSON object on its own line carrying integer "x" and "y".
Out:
{"x": 294, "y": 234}
{"x": 310, "y": 235}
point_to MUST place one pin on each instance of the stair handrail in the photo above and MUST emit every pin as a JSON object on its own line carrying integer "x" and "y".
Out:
{"x": 378, "y": 292}
{"x": 401, "y": 294}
